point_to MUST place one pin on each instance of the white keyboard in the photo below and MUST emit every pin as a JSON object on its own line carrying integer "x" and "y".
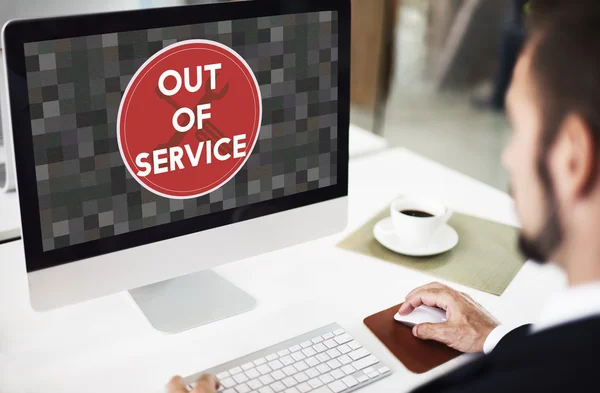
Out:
{"x": 326, "y": 360}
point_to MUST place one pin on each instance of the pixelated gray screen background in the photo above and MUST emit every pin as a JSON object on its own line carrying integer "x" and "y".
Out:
{"x": 75, "y": 87}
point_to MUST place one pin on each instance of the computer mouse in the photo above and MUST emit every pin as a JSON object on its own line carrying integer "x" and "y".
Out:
{"x": 422, "y": 314}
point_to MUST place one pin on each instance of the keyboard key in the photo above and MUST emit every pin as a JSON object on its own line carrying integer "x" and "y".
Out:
{"x": 323, "y": 357}
{"x": 344, "y": 359}
{"x": 278, "y": 387}
{"x": 260, "y": 361}
{"x": 304, "y": 387}
{"x": 333, "y": 353}
{"x": 374, "y": 374}
{"x": 344, "y": 349}
{"x": 295, "y": 348}
{"x": 343, "y": 339}
{"x": 354, "y": 344}
{"x": 359, "y": 353}
{"x": 312, "y": 373}
{"x": 230, "y": 390}
{"x": 337, "y": 374}
{"x": 287, "y": 360}
{"x": 330, "y": 343}
{"x": 301, "y": 365}
{"x": 277, "y": 375}
{"x": 271, "y": 357}
{"x": 266, "y": 379}
{"x": 235, "y": 370}
{"x": 240, "y": 378}
{"x": 323, "y": 368}
{"x": 338, "y": 332}
{"x": 301, "y": 377}
{"x": 255, "y": 384}
{"x": 247, "y": 366}
{"x": 253, "y": 373}
{"x": 362, "y": 378}
{"x": 350, "y": 381}
{"x": 313, "y": 361}
{"x": 283, "y": 352}
{"x": 289, "y": 382}
{"x": 315, "y": 383}
{"x": 334, "y": 364}
{"x": 317, "y": 340}
{"x": 243, "y": 388}
{"x": 365, "y": 362}
{"x": 289, "y": 370}
{"x": 228, "y": 382}
{"x": 266, "y": 389}
{"x": 327, "y": 378}
{"x": 264, "y": 369}
{"x": 309, "y": 352}
{"x": 383, "y": 370}
{"x": 337, "y": 386}
{"x": 322, "y": 389}
{"x": 275, "y": 364}
{"x": 327, "y": 336}
{"x": 320, "y": 348}
{"x": 298, "y": 356}
{"x": 369, "y": 370}
{"x": 348, "y": 369}
{"x": 306, "y": 344}
{"x": 292, "y": 390}
{"x": 223, "y": 375}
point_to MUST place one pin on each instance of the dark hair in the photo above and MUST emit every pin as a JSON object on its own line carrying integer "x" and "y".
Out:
{"x": 565, "y": 64}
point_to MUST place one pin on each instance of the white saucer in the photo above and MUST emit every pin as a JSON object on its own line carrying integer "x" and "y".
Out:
{"x": 444, "y": 240}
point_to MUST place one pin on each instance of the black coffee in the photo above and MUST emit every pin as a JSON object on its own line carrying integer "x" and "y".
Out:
{"x": 416, "y": 213}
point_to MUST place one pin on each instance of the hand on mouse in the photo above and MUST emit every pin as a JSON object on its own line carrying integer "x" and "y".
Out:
{"x": 205, "y": 384}
{"x": 467, "y": 324}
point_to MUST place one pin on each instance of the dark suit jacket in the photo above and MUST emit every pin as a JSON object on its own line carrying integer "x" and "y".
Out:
{"x": 560, "y": 359}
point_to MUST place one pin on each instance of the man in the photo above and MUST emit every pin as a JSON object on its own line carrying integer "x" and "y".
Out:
{"x": 554, "y": 160}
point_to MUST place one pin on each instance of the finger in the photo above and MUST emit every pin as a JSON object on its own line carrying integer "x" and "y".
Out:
{"x": 431, "y": 285}
{"x": 206, "y": 384}
{"x": 440, "y": 298}
{"x": 466, "y": 295}
{"x": 431, "y": 331}
{"x": 406, "y": 308}
{"x": 176, "y": 385}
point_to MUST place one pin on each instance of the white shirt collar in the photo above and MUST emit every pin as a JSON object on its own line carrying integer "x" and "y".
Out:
{"x": 570, "y": 305}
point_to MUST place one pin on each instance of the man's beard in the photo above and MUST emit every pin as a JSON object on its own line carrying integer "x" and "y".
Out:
{"x": 541, "y": 248}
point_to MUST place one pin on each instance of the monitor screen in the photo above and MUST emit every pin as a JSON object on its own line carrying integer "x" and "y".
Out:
{"x": 134, "y": 130}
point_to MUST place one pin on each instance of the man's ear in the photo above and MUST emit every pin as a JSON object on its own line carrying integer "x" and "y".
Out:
{"x": 573, "y": 158}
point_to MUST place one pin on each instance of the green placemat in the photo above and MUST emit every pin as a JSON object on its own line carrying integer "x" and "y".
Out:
{"x": 486, "y": 257}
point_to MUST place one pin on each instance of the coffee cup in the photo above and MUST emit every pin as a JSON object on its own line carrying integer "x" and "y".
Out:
{"x": 416, "y": 220}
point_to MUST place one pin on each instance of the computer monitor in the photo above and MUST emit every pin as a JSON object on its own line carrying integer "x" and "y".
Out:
{"x": 151, "y": 145}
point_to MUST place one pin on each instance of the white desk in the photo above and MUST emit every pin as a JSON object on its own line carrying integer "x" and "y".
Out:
{"x": 10, "y": 219}
{"x": 105, "y": 345}
{"x": 363, "y": 142}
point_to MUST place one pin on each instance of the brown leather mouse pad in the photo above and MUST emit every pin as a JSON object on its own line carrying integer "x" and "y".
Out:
{"x": 417, "y": 355}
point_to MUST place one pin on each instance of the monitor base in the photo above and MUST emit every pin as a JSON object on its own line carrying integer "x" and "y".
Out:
{"x": 183, "y": 303}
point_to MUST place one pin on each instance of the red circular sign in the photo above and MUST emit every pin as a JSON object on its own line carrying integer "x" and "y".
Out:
{"x": 189, "y": 119}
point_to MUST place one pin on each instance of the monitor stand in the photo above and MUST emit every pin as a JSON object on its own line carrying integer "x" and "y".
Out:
{"x": 183, "y": 303}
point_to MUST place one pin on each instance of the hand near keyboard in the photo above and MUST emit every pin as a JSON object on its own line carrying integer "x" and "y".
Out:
{"x": 467, "y": 324}
{"x": 205, "y": 384}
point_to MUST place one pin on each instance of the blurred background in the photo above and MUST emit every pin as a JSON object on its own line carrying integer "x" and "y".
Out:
{"x": 428, "y": 75}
